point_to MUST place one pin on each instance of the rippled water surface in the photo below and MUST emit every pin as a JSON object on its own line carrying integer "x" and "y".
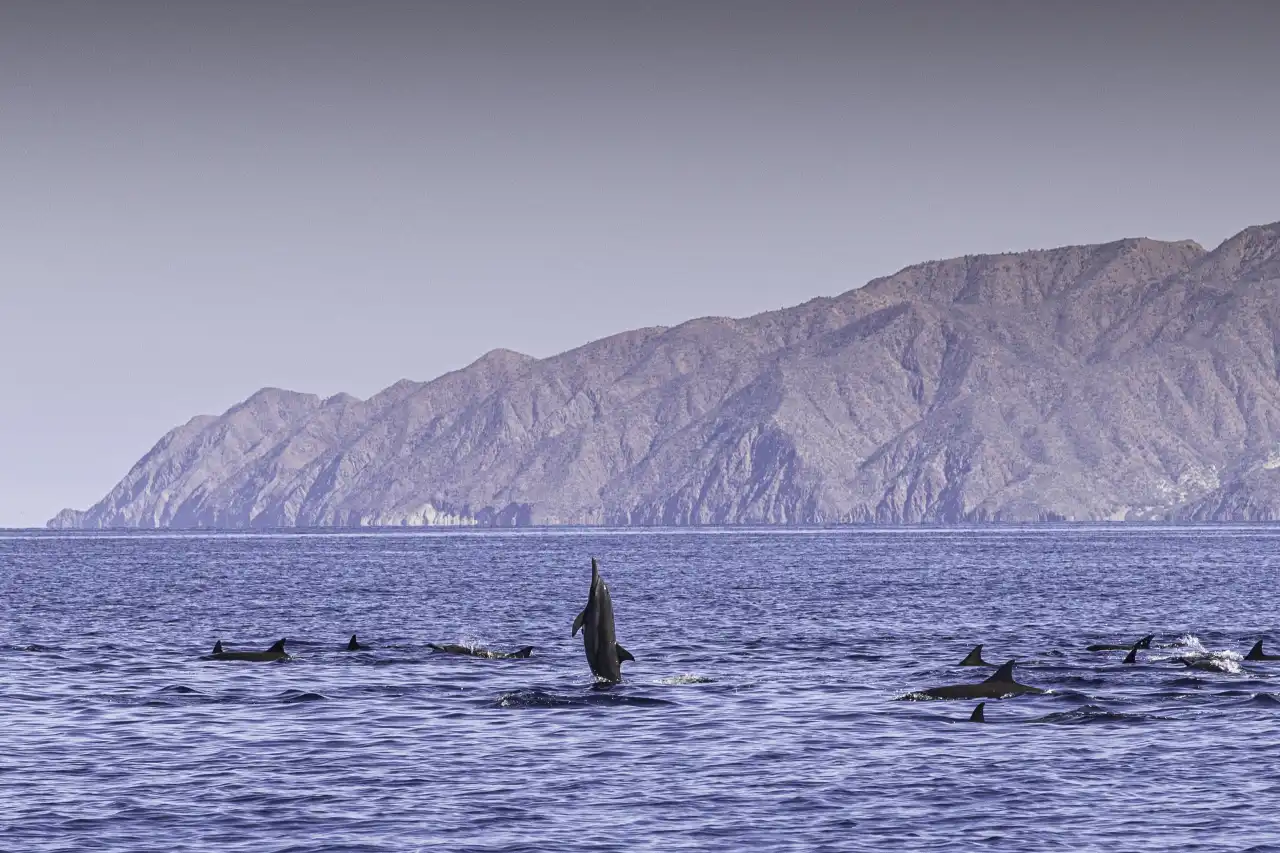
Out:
{"x": 763, "y": 711}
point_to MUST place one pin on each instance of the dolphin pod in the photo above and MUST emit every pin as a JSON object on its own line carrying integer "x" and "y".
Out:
{"x": 1144, "y": 643}
{"x": 998, "y": 686}
{"x": 476, "y": 652}
{"x": 276, "y": 652}
{"x": 604, "y": 654}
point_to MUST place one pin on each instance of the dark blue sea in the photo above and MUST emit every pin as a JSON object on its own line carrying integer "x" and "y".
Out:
{"x": 763, "y": 711}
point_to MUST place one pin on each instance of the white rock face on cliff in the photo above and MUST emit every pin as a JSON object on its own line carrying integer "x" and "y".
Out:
{"x": 1136, "y": 379}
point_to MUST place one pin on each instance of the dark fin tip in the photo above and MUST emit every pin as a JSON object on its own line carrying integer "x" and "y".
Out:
{"x": 1255, "y": 653}
{"x": 974, "y": 658}
{"x": 1004, "y": 673}
{"x": 277, "y": 646}
{"x": 217, "y": 647}
{"x": 977, "y": 716}
{"x": 1132, "y": 657}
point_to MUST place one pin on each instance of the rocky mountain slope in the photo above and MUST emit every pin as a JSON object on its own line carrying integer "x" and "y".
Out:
{"x": 1132, "y": 380}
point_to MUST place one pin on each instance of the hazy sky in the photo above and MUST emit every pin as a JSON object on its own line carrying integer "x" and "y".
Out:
{"x": 200, "y": 199}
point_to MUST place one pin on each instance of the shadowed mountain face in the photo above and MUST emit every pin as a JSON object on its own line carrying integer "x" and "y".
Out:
{"x": 1131, "y": 380}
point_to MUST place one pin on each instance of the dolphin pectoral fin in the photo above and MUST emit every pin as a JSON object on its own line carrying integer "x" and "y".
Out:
{"x": 977, "y": 716}
{"x": 578, "y": 622}
{"x": 623, "y": 654}
{"x": 1132, "y": 657}
{"x": 1004, "y": 673}
{"x": 974, "y": 658}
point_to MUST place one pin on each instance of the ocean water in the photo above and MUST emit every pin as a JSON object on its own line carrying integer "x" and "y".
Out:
{"x": 764, "y": 710}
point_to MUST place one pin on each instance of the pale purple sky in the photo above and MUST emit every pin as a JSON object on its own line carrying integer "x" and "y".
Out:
{"x": 200, "y": 199}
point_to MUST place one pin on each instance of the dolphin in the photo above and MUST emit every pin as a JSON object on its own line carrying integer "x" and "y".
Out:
{"x": 604, "y": 654}
{"x": 354, "y": 646}
{"x": 998, "y": 686}
{"x": 976, "y": 716}
{"x": 1132, "y": 657}
{"x": 276, "y": 652}
{"x": 1144, "y": 643}
{"x": 476, "y": 652}
{"x": 1207, "y": 663}
{"x": 1256, "y": 653}
{"x": 974, "y": 658}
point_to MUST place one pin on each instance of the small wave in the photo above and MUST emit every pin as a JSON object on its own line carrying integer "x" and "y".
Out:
{"x": 292, "y": 696}
{"x": 544, "y": 699}
{"x": 180, "y": 688}
{"x": 36, "y": 647}
{"x": 686, "y": 679}
{"x": 1088, "y": 714}
{"x": 1266, "y": 700}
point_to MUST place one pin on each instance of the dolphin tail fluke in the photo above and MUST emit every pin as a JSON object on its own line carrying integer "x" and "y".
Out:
{"x": 1132, "y": 657}
{"x": 578, "y": 622}
{"x": 623, "y": 654}
{"x": 1256, "y": 652}
{"x": 1004, "y": 673}
{"x": 1145, "y": 642}
{"x": 217, "y": 647}
{"x": 977, "y": 716}
{"x": 974, "y": 658}
{"x": 277, "y": 648}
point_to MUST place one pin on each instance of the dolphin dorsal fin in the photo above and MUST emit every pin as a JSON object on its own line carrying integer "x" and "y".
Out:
{"x": 1132, "y": 657}
{"x": 353, "y": 645}
{"x": 277, "y": 647}
{"x": 524, "y": 652}
{"x": 217, "y": 647}
{"x": 974, "y": 658}
{"x": 1255, "y": 653}
{"x": 1145, "y": 642}
{"x": 1004, "y": 673}
{"x": 977, "y": 716}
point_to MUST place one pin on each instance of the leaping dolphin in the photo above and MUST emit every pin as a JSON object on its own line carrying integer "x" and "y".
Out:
{"x": 354, "y": 646}
{"x": 276, "y": 652}
{"x": 1144, "y": 643}
{"x": 476, "y": 652}
{"x": 974, "y": 658}
{"x": 998, "y": 686}
{"x": 1256, "y": 653}
{"x": 604, "y": 654}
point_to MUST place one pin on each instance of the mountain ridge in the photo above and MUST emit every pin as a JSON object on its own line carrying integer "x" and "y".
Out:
{"x": 1135, "y": 379}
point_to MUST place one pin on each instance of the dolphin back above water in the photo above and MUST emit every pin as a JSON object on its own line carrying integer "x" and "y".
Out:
{"x": 998, "y": 686}
{"x": 604, "y": 654}
{"x": 477, "y": 652}
{"x": 276, "y": 652}
{"x": 1144, "y": 643}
